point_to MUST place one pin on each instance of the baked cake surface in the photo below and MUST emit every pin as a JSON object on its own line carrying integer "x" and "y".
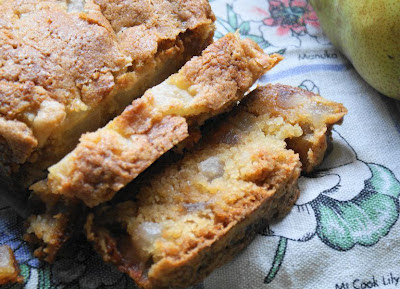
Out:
{"x": 194, "y": 215}
{"x": 67, "y": 67}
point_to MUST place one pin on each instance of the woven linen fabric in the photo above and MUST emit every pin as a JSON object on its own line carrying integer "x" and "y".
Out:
{"x": 343, "y": 231}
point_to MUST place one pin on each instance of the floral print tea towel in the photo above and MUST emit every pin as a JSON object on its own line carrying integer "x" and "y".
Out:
{"x": 344, "y": 230}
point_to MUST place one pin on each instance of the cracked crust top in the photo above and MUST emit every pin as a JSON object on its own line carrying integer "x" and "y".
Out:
{"x": 62, "y": 58}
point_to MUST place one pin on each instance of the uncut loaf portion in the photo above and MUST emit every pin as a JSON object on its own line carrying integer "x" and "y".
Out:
{"x": 195, "y": 215}
{"x": 108, "y": 159}
{"x": 69, "y": 66}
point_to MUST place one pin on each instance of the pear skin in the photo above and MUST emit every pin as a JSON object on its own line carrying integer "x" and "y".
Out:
{"x": 367, "y": 32}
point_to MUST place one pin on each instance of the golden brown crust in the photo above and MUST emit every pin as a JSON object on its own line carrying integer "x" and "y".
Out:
{"x": 105, "y": 165}
{"x": 109, "y": 158}
{"x": 313, "y": 113}
{"x": 53, "y": 42}
{"x": 162, "y": 16}
{"x": 16, "y": 137}
{"x": 9, "y": 270}
{"x": 84, "y": 59}
{"x": 219, "y": 77}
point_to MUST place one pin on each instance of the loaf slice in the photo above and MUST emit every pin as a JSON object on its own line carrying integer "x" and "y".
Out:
{"x": 69, "y": 66}
{"x": 193, "y": 216}
{"x": 106, "y": 160}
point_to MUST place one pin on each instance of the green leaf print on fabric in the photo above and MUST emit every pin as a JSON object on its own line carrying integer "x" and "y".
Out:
{"x": 279, "y": 254}
{"x": 384, "y": 181}
{"x": 218, "y": 34}
{"x": 365, "y": 219}
{"x": 25, "y": 272}
{"x": 232, "y": 18}
{"x": 233, "y": 23}
{"x": 44, "y": 278}
{"x": 244, "y": 28}
{"x": 281, "y": 51}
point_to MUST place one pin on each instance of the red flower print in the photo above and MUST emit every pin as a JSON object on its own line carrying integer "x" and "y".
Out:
{"x": 289, "y": 15}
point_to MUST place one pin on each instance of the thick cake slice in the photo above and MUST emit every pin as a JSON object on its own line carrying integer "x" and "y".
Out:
{"x": 106, "y": 160}
{"x": 69, "y": 66}
{"x": 194, "y": 215}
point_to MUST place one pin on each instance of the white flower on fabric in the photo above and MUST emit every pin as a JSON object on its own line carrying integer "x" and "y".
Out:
{"x": 318, "y": 34}
{"x": 252, "y": 10}
{"x": 286, "y": 40}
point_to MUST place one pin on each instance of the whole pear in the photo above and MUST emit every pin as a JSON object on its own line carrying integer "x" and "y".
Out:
{"x": 367, "y": 32}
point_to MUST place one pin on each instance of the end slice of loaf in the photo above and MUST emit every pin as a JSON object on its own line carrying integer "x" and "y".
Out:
{"x": 196, "y": 214}
{"x": 68, "y": 67}
{"x": 108, "y": 159}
